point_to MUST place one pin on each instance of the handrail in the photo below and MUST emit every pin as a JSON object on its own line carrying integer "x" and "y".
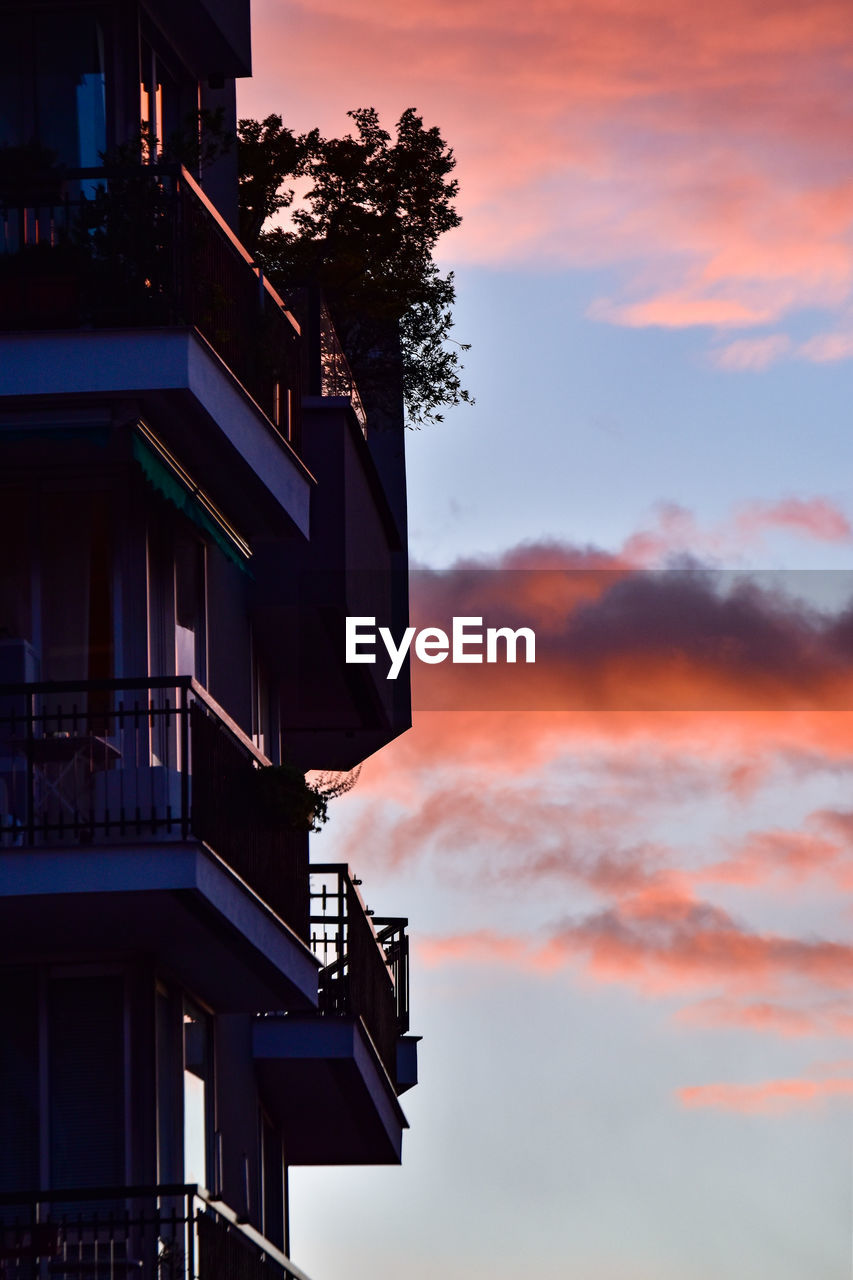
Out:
{"x": 91, "y": 174}
{"x": 166, "y": 1191}
{"x": 148, "y": 758}
{"x": 184, "y": 267}
{"x": 127, "y": 683}
{"x": 365, "y": 971}
{"x": 238, "y": 244}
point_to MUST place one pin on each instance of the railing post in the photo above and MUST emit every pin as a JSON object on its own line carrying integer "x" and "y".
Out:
{"x": 313, "y": 341}
{"x": 191, "y": 1211}
{"x": 185, "y": 761}
{"x": 31, "y": 780}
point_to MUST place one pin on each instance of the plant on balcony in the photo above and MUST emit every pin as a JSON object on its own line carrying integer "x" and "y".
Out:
{"x": 286, "y": 799}
{"x": 365, "y": 232}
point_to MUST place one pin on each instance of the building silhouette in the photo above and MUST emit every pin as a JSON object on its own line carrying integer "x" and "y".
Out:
{"x": 191, "y": 503}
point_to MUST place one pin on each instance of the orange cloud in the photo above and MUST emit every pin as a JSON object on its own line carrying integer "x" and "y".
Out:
{"x": 760, "y": 1015}
{"x": 676, "y": 942}
{"x": 791, "y": 855}
{"x": 663, "y": 941}
{"x": 486, "y": 948}
{"x": 766, "y": 1097}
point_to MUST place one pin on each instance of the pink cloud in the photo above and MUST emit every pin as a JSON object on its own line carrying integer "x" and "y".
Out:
{"x": 792, "y": 856}
{"x": 705, "y": 148}
{"x": 816, "y": 518}
{"x": 751, "y": 354}
{"x": 759, "y": 1015}
{"x": 663, "y": 941}
{"x": 827, "y": 348}
{"x": 672, "y": 941}
{"x": 681, "y": 311}
{"x": 767, "y": 1097}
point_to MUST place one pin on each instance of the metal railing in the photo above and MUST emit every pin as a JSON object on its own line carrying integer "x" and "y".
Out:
{"x": 112, "y": 760}
{"x": 112, "y": 1233}
{"x": 326, "y": 369}
{"x": 365, "y": 959}
{"x": 139, "y": 246}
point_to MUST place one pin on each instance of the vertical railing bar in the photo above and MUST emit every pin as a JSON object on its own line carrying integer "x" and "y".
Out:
{"x": 184, "y": 729}
{"x": 31, "y": 781}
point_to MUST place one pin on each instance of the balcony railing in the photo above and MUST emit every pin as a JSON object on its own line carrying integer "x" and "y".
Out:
{"x": 365, "y": 959}
{"x": 112, "y": 1233}
{"x": 326, "y": 370}
{"x": 142, "y": 246}
{"x": 113, "y": 760}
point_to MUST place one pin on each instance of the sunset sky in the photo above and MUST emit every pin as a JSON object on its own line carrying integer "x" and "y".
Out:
{"x": 630, "y": 882}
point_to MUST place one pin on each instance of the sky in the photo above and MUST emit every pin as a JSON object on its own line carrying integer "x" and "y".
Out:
{"x": 628, "y": 870}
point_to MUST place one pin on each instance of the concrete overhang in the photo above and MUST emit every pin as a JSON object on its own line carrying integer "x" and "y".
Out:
{"x": 174, "y": 902}
{"x": 206, "y": 417}
{"x": 322, "y": 1080}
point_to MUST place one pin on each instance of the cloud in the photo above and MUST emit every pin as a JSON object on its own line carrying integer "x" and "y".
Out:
{"x": 702, "y": 152}
{"x": 791, "y": 856}
{"x": 751, "y": 354}
{"x": 681, "y": 311}
{"x": 816, "y": 518}
{"x": 826, "y": 348}
{"x": 691, "y": 692}
{"x": 761, "y": 1015}
{"x": 654, "y": 641}
{"x": 673, "y": 941}
{"x": 769, "y": 1096}
{"x": 662, "y": 940}
{"x": 754, "y": 355}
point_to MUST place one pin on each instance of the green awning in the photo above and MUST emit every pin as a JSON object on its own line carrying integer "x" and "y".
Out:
{"x": 166, "y": 482}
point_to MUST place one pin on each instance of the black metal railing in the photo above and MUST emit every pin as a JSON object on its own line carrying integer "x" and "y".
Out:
{"x": 326, "y": 370}
{"x": 112, "y": 1233}
{"x": 365, "y": 959}
{"x": 141, "y": 245}
{"x": 111, "y": 760}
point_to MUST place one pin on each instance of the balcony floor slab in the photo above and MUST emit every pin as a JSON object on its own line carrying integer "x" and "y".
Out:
{"x": 322, "y": 1080}
{"x": 155, "y": 365}
{"x": 175, "y": 903}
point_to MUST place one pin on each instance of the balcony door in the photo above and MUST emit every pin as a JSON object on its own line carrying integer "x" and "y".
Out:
{"x": 52, "y": 85}
{"x": 63, "y": 1061}
{"x": 75, "y": 585}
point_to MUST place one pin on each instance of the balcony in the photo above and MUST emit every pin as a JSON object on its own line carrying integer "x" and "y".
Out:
{"x": 142, "y": 247}
{"x": 128, "y": 813}
{"x": 365, "y": 960}
{"x": 123, "y": 786}
{"x": 332, "y": 1079}
{"x": 112, "y": 1233}
{"x": 105, "y": 762}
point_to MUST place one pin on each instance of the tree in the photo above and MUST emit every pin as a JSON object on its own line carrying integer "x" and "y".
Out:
{"x": 364, "y": 231}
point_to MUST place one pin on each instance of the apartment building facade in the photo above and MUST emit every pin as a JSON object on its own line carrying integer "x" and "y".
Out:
{"x": 191, "y": 503}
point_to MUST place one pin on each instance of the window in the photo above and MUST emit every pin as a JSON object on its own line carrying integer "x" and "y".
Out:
{"x": 168, "y": 96}
{"x": 272, "y": 1184}
{"x": 52, "y": 85}
{"x": 190, "y": 638}
{"x": 198, "y": 1095}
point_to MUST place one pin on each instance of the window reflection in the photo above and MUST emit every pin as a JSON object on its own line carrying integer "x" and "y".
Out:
{"x": 52, "y": 86}
{"x": 197, "y": 1095}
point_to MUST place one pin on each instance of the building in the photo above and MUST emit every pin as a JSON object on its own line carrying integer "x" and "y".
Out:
{"x": 191, "y": 503}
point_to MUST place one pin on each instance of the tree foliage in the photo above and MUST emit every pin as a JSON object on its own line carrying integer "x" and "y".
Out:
{"x": 365, "y": 231}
